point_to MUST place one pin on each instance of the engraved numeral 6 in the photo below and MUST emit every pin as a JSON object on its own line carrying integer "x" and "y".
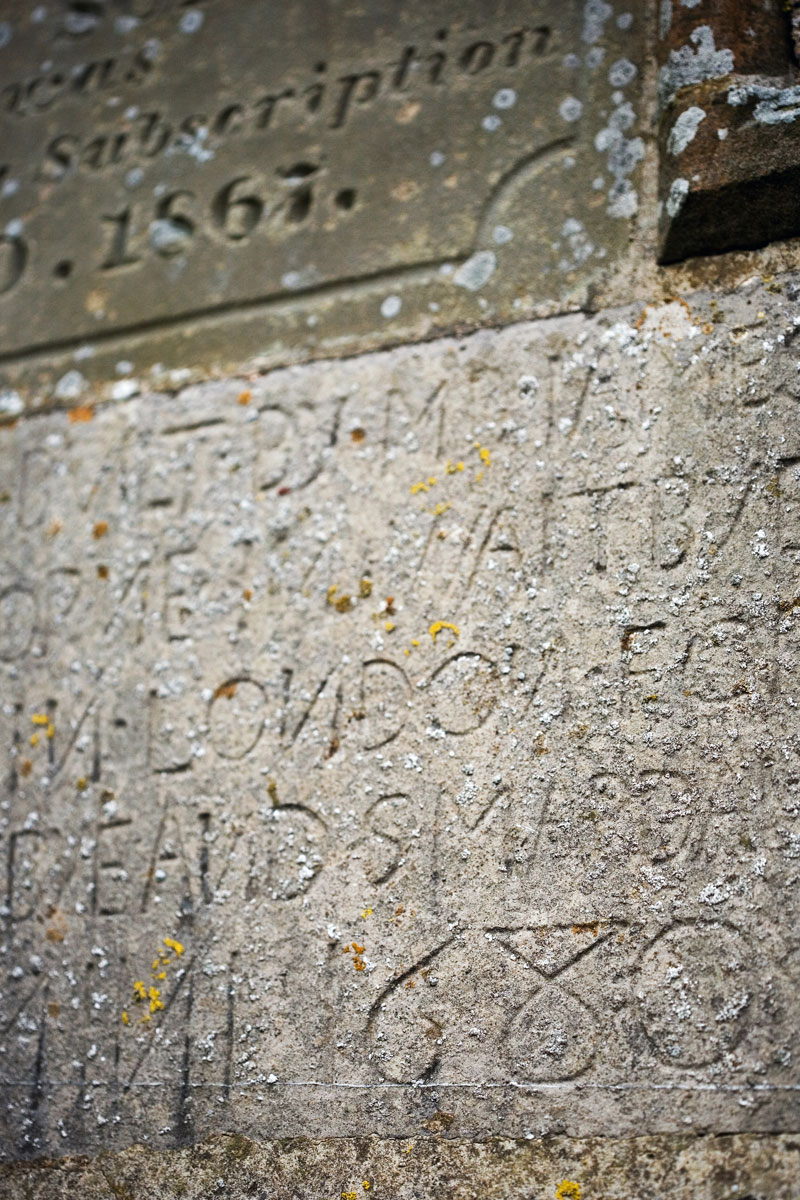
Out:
{"x": 234, "y": 214}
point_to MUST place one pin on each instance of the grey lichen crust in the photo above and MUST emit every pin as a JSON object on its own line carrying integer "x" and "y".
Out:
{"x": 408, "y": 746}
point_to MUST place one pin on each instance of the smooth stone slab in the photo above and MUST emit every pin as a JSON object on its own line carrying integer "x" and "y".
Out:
{"x": 183, "y": 184}
{"x": 440, "y": 705}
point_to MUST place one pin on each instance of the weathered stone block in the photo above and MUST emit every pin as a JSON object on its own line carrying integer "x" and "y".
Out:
{"x": 439, "y": 705}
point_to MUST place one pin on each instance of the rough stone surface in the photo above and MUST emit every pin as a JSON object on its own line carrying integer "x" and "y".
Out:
{"x": 558, "y": 1168}
{"x": 440, "y": 705}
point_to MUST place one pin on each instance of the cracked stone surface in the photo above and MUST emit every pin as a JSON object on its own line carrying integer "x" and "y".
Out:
{"x": 406, "y": 748}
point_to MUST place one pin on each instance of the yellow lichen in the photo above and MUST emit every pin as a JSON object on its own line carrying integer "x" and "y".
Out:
{"x": 389, "y": 626}
{"x": 365, "y": 587}
{"x": 151, "y": 995}
{"x": 40, "y": 719}
{"x": 34, "y": 739}
{"x": 437, "y": 627}
{"x": 568, "y": 1189}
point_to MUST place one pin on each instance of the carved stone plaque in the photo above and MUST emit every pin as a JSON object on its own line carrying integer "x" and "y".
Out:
{"x": 210, "y": 180}
{"x": 409, "y": 745}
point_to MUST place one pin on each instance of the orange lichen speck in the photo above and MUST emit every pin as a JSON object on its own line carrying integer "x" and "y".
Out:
{"x": 83, "y": 412}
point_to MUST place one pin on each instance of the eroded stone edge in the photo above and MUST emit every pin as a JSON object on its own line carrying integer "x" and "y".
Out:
{"x": 668, "y": 1166}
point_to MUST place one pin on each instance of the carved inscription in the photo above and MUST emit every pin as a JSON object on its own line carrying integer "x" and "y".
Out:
{"x": 163, "y": 161}
{"x": 401, "y": 729}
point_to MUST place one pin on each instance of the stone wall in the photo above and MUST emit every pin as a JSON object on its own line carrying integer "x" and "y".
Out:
{"x": 400, "y": 777}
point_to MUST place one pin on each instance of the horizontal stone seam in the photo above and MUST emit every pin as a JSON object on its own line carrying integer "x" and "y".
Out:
{"x": 245, "y": 367}
{"x": 75, "y": 1162}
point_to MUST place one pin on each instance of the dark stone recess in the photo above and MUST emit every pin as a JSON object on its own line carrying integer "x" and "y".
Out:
{"x": 729, "y": 144}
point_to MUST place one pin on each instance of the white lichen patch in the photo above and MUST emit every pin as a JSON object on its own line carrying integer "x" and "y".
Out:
{"x": 687, "y": 66}
{"x": 501, "y": 235}
{"x": 595, "y": 15}
{"x": 775, "y": 106}
{"x": 476, "y": 271}
{"x": 11, "y": 403}
{"x": 191, "y": 21}
{"x": 676, "y": 199}
{"x": 71, "y": 385}
{"x": 623, "y": 156}
{"x": 579, "y": 247}
{"x": 622, "y": 72}
{"x": 684, "y": 129}
{"x": 505, "y": 98}
{"x": 570, "y": 109}
{"x": 391, "y": 307}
